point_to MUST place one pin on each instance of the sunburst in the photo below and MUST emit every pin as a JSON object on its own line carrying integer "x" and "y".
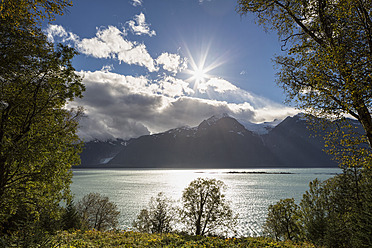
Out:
{"x": 199, "y": 72}
{"x": 199, "y": 75}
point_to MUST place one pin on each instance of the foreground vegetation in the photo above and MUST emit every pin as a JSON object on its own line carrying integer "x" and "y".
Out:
{"x": 94, "y": 238}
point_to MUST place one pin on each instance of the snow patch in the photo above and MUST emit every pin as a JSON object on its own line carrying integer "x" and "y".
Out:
{"x": 240, "y": 133}
{"x": 260, "y": 128}
{"x": 105, "y": 160}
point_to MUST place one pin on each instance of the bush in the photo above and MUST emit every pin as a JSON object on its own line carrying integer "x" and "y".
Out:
{"x": 71, "y": 219}
{"x": 98, "y": 212}
{"x": 158, "y": 217}
{"x": 282, "y": 220}
{"x": 337, "y": 212}
{"x": 333, "y": 213}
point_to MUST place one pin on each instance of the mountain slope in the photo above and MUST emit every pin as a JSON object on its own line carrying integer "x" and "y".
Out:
{"x": 218, "y": 142}
{"x": 96, "y": 153}
{"x": 214, "y": 143}
{"x": 295, "y": 145}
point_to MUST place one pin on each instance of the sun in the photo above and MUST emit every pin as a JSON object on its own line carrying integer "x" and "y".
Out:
{"x": 199, "y": 71}
{"x": 199, "y": 75}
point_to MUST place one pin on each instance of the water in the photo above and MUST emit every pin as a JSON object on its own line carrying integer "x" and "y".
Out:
{"x": 249, "y": 194}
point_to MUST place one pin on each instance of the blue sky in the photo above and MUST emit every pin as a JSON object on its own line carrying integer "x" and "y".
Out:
{"x": 152, "y": 65}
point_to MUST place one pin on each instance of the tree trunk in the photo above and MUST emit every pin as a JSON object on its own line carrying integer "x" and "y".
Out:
{"x": 366, "y": 120}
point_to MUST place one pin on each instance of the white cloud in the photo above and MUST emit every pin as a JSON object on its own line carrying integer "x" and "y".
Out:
{"x": 55, "y": 30}
{"x": 111, "y": 43}
{"x": 173, "y": 87}
{"x": 59, "y": 31}
{"x": 218, "y": 85}
{"x": 172, "y": 62}
{"x": 108, "y": 42}
{"x": 136, "y": 3}
{"x": 139, "y": 26}
{"x": 107, "y": 68}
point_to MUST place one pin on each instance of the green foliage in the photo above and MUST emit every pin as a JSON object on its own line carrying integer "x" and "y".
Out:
{"x": 326, "y": 70}
{"x": 205, "y": 210}
{"x": 71, "y": 219}
{"x": 159, "y": 217}
{"x": 25, "y": 230}
{"x": 282, "y": 220}
{"x": 363, "y": 215}
{"x": 344, "y": 140}
{"x": 33, "y": 11}
{"x": 336, "y": 213}
{"x": 98, "y": 212}
{"x": 314, "y": 212}
{"x": 38, "y": 140}
{"x": 333, "y": 213}
{"x": 327, "y": 67}
{"x": 133, "y": 239}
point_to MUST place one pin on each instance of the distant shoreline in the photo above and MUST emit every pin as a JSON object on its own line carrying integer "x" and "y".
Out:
{"x": 263, "y": 171}
{"x": 258, "y": 172}
{"x": 187, "y": 167}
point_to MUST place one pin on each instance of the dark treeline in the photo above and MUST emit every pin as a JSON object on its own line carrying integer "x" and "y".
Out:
{"x": 333, "y": 213}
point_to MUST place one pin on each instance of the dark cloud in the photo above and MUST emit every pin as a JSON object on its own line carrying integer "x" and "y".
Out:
{"x": 119, "y": 106}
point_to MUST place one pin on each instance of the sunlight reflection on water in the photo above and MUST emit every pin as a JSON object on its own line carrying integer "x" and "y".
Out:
{"x": 249, "y": 194}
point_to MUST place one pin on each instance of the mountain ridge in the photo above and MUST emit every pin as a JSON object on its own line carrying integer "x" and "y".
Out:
{"x": 218, "y": 142}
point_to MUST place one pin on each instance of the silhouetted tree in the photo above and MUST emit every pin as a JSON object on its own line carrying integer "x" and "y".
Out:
{"x": 282, "y": 220}
{"x": 205, "y": 210}
{"x": 98, "y": 212}
{"x": 336, "y": 212}
{"x": 158, "y": 217}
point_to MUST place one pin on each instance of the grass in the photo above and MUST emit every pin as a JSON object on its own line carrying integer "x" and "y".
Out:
{"x": 92, "y": 238}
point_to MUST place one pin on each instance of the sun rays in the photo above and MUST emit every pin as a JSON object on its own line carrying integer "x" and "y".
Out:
{"x": 200, "y": 72}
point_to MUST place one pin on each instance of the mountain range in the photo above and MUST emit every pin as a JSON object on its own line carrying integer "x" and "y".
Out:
{"x": 218, "y": 142}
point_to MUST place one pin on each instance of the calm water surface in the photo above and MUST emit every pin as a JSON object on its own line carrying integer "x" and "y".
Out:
{"x": 249, "y": 194}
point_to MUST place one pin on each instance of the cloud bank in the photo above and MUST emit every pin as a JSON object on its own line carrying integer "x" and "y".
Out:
{"x": 119, "y": 106}
{"x": 126, "y": 106}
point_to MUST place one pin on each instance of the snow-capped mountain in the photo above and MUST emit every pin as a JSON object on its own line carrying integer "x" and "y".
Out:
{"x": 217, "y": 142}
{"x": 260, "y": 128}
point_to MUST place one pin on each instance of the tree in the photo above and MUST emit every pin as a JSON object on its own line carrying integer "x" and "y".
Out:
{"x": 158, "y": 217}
{"x": 314, "y": 212}
{"x": 336, "y": 212}
{"x": 282, "y": 220}
{"x": 327, "y": 67}
{"x": 205, "y": 210}
{"x": 71, "y": 218}
{"x": 362, "y": 220}
{"x": 33, "y": 11}
{"x": 98, "y": 212}
{"x": 38, "y": 140}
